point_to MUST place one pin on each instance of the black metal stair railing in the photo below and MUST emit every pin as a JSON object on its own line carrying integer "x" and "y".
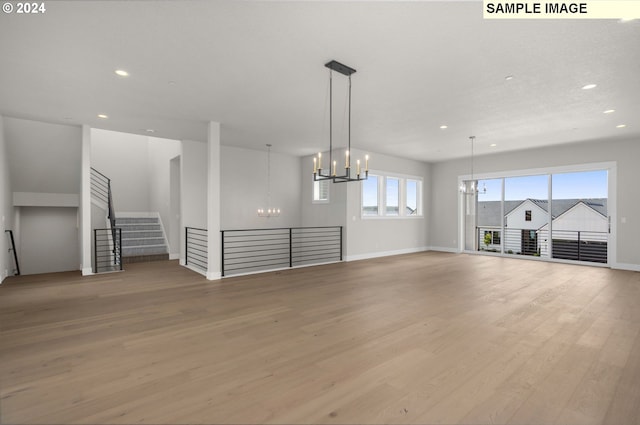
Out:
{"x": 101, "y": 190}
{"x": 12, "y": 248}
{"x": 107, "y": 255}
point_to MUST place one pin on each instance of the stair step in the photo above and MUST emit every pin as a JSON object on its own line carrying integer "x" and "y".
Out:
{"x": 134, "y": 220}
{"x": 133, "y": 227}
{"x": 142, "y": 234}
{"x": 143, "y": 250}
{"x": 129, "y": 242}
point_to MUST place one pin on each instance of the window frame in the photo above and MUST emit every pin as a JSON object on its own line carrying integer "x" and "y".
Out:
{"x": 313, "y": 191}
{"x": 402, "y": 196}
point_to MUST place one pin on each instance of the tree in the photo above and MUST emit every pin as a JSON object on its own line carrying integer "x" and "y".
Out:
{"x": 487, "y": 239}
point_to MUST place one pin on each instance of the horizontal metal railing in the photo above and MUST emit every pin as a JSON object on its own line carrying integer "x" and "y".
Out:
{"x": 107, "y": 252}
{"x": 196, "y": 251}
{"x": 252, "y": 250}
{"x": 576, "y": 245}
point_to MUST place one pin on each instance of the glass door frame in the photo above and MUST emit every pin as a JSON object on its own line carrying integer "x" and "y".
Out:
{"x": 609, "y": 166}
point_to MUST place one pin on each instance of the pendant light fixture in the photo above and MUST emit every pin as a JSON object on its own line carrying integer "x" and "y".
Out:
{"x": 331, "y": 172}
{"x": 269, "y": 211}
{"x": 470, "y": 187}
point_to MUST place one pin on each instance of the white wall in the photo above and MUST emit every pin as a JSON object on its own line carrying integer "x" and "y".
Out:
{"x": 160, "y": 153}
{"x": 193, "y": 190}
{"x": 44, "y": 166}
{"x": 244, "y": 188}
{"x": 443, "y": 223}
{"x": 45, "y": 158}
{"x": 124, "y": 158}
{"x": 382, "y": 236}
{"x": 6, "y": 207}
{"x": 48, "y": 239}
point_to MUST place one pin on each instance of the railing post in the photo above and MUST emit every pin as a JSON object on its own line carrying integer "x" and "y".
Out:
{"x": 340, "y": 243}
{"x": 222, "y": 253}
{"x": 120, "y": 247}
{"x": 95, "y": 250}
{"x": 186, "y": 245}
{"x": 290, "y": 247}
{"x": 579, "y": 259}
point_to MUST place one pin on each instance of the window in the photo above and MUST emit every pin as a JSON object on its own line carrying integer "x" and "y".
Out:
{"x": 370, "y": 196}
{"x": 527, "y": 215}
{"x": 321, "y": 191}
{"x": 391, "y": 196}
{"x": 491, "y": 237}
{"x": 412, "y": 197}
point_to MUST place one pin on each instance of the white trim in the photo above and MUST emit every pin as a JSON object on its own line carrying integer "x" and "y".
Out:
{"x": 279, "y": 269}
{"x": 194, "y": 269}
{"x": 213, "y": 276}
{"x": 174, "y": 256}
{"x": 87, "y": 271}
{"x": 625, "y": 266}
{"x": 444, "y": 249}
{"x": 385, "y": 253}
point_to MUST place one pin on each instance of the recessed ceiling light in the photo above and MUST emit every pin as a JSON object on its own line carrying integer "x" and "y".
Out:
{"x": 121, "y": 72}
{"x": 609, "y": 111}
{"x": 103, "y": 116}
{"x": 627, "y": 19}
{"x": 621, "y": 126}
{"x": 172, "y": 83}
{"x": 589, "y": 86}
{"x": 509, "y": 77}
{"x": 150, "y": 130}
{"x": 443, "y": 127}
{"x": 493, "y": 145}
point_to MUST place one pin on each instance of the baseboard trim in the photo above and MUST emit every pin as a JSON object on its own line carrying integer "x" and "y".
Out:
{"x": 444, "y": 249}
{"x": 87, "y": 271}
{"x": 371, "y": 255}
{"x": 624, "y": 266}
{"x": 174, "y": 256}
{"x": 213, "y": 275}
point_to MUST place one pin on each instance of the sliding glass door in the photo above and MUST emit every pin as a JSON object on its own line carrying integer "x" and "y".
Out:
{"x": 553, "y": 215}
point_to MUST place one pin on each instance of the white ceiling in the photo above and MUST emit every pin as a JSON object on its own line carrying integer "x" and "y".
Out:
{"x": 258, "y": 68}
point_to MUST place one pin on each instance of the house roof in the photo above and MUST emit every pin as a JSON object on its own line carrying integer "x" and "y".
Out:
{"x": 489, "y": 211}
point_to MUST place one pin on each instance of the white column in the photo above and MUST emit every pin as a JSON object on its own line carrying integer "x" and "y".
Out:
{"x": 85, "y": 203}
{"x": 213, "y": 201}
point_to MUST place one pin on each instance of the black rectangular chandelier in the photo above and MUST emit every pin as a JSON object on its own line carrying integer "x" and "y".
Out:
{"x": 331, "y": 173}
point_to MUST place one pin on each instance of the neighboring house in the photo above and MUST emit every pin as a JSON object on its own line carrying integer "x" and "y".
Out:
{"x": 576, "y": 223}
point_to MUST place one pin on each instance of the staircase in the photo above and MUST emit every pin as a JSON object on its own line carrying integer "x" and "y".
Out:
{"x": 142, "y": 239}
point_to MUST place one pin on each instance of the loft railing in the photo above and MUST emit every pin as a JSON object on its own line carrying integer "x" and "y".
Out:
{"x": 564, "y": 244}
{"x": 12, "y": 248}
{"x": 107, "y": 255}
{"x": 254, "y": 250}
{"x": 196, "y": 248}
{"x": 101, "y": 190}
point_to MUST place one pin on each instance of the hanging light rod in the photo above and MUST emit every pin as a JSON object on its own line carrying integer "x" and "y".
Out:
{"x": 331, "y": 173}
{"x": 269, "y": 211}
{"x": 340, "y": 67}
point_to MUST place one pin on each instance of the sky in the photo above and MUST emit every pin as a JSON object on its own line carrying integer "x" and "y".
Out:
{"x": 580, "y": 185}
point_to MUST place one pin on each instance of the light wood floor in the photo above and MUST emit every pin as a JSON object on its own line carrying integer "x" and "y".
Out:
{"x": 421, "y": 338}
